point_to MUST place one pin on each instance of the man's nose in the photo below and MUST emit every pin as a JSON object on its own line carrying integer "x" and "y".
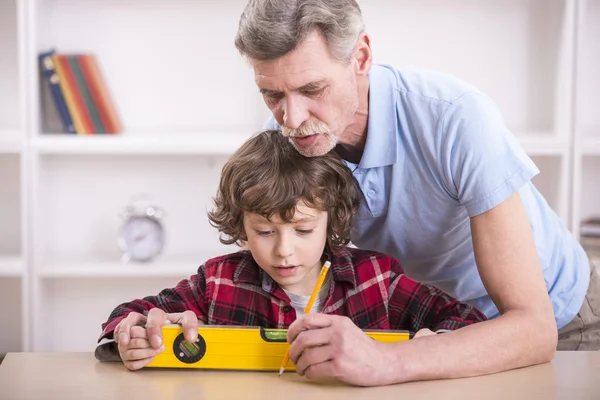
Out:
{"x": 295, "y": 112}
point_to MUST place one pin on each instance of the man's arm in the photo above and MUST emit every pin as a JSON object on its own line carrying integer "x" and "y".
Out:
{"x": 524, "y": 334}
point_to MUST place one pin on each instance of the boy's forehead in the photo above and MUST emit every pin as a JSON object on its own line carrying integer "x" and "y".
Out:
{"x": 300, "y": 214}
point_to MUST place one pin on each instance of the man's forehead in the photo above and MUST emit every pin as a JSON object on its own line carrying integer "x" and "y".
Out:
{"x": 289, "y": 77}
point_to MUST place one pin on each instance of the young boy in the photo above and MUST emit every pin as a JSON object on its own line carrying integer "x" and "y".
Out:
{"x": 291, "y": 213}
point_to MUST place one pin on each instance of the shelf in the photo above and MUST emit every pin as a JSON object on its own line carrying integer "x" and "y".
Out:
{"x": 10, "y": 142}
{"x": 214, "y": 142}
{"x": 543, "y": 144}
{"x": 589, "y": 146}
{"x": 178, "y": 268}
{"x": 11, "y": 266}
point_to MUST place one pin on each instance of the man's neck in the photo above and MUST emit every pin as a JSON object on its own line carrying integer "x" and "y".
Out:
{"x": 352, "y": 142}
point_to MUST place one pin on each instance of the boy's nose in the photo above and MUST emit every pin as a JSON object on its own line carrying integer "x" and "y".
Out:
{"x": 285, "y": 248}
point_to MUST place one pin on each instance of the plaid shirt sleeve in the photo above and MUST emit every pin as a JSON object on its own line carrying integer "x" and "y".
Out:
{"x": 423, "y": 306}
{"x": 188, "y": 294}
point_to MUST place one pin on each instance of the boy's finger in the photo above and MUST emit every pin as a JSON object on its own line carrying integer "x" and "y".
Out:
{"x": 189, "y": 322}
{"x": 138, "y": 364}
{"x": 123, "y": 332}
{"x": 154, "y": 323}
{"x": 138, "y": 332}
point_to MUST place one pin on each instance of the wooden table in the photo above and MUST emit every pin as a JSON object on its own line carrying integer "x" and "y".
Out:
{"x": 571, "y": 375}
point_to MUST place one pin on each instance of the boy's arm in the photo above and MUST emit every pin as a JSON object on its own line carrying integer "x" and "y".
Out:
{"x": 188, "y": 294}
{"x": 414, "y": 306}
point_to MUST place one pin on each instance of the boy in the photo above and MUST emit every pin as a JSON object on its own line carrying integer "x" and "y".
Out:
{"x": 291, "y": 213}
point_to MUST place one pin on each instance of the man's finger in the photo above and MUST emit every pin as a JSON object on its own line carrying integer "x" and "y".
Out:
{"x": 423, "y": 332}
{"x": 307, "y": 322}
{"x": 314, "y": 356}
{"x": 154, "y": 323}
{"x": 320, "y": 370}
{"x": 307, "y": 339}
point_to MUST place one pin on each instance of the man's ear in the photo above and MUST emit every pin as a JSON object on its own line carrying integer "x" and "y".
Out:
{"x": 362, "y": 54}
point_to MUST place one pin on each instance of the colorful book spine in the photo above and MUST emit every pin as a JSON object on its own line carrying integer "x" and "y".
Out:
{"x": 99, "y": 93}
{"x": 66, "y": 86}
{"x": 78, "y": 100}
{"x": 88, "y": 102}
{"x": 53, "y": 81}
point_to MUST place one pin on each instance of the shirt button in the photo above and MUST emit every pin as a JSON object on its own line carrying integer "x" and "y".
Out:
{"x": 287, "y": 309}
{"x": 371, "y": 193}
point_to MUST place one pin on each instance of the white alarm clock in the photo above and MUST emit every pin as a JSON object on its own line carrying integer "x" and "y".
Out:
{"x": 142, "y": 236}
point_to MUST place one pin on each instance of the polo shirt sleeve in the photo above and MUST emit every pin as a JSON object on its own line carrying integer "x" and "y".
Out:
{"x": 482, "y": 163}
{"x": 271, "y": 124}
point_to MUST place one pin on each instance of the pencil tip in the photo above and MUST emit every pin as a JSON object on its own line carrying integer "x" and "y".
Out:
{"x": 281, "y": 369}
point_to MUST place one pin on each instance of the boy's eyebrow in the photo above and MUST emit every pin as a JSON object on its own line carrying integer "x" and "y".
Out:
{"x": 304, "y": 219}
{"x": 304, "y": 88}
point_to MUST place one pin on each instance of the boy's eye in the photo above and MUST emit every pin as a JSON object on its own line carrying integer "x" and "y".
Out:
{"x": 304, "y": 231}
{"x": 263, "y": 233}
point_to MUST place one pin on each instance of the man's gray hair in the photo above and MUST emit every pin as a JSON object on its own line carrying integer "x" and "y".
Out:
{"x": 269, "y": 29}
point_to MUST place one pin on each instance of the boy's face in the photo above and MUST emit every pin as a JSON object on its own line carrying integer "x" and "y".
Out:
{"x": 289, "y": 252}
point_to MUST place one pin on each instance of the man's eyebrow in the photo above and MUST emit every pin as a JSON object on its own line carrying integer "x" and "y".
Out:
{"x": 269, "y": 91}
{"x": 311, "y": 85}
{"x": 304, "y": 88}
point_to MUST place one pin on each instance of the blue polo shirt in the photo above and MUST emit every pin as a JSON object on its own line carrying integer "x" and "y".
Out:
{"x": 438, "y": 152}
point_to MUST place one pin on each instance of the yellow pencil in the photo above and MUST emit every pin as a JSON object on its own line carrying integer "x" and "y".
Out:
{"x": 309, "y": 306}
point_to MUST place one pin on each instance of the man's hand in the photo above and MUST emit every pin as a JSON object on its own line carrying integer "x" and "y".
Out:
{"x": 140, "y": 337}
{"x": 332, "y": 346}
{"x": 423, "y": 333}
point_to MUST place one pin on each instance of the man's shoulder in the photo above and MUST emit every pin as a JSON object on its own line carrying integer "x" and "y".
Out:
{"x": 424, "y": 83}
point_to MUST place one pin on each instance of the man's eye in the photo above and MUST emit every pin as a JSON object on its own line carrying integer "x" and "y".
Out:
{"x": 274, "y": 96}
{"x": 314, "y": 93}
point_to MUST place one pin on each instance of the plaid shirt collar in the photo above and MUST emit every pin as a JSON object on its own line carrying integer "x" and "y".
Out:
{"x": 248, "y": 271}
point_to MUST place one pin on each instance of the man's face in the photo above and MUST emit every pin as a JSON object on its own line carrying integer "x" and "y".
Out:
{"x": 311, "y": 95}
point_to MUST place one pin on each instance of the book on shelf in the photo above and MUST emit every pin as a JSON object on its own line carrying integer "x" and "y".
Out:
{"x": 589, "y": 233}
{"x": 590, "y": 227}
{"x": 75, "y": 93}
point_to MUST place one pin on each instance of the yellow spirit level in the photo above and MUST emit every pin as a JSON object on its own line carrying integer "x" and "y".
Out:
{"x": 237, "y": 347}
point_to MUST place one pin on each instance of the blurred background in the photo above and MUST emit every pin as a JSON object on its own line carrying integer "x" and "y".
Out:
{"x": 173, "y": 99}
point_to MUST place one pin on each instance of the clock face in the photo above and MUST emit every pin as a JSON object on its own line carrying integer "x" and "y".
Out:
{"x": 141, "y": 238}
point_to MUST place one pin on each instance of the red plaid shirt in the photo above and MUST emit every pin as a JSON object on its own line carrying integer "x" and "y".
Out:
{"x": 370, "y": 288}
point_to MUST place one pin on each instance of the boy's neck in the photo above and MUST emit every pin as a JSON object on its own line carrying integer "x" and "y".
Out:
{"x": 307, "y": 285}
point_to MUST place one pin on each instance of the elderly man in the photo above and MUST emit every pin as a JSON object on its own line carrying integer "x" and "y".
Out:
{"x": 447, "y": 191}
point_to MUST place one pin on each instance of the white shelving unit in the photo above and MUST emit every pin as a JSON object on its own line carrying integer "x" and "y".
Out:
{"x": 188, "y": 100}
{"x": 586, "y": 152}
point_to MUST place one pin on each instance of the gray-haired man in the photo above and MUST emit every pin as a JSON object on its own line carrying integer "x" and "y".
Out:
{"x": 447, "y": 191}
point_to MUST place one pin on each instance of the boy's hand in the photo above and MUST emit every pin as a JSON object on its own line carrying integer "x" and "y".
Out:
{"x": 153, "y": 326}
{"x": 137, "y": 352}
{"x": 332, "y": 346}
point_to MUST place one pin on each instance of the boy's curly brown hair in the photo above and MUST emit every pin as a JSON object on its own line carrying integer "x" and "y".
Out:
{"x": 267, "y": 176}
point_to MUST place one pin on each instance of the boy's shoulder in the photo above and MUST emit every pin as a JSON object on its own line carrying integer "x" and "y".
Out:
{"x": 366, "y": 259}
{"x": 234, "y": 266}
